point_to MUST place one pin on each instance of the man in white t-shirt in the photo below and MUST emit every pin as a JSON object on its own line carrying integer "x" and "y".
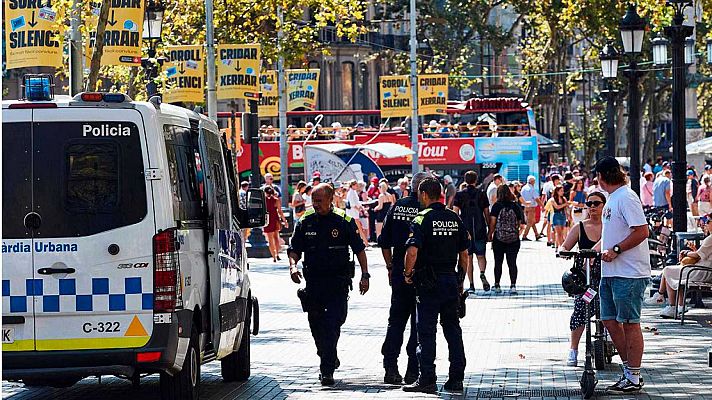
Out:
{"x": 625, "y": 270}
{"x": 492, "y": 189}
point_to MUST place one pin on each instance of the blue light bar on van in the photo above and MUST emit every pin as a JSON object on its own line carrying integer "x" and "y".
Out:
{"x": 114, "y": 97}
{"x": 38, "y": 87}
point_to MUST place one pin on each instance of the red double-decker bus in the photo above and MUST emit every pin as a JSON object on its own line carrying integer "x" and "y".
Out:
{"x": 480, "y": 133}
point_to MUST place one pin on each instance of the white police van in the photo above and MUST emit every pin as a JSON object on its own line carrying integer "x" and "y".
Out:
{"x": 122, "y": 250}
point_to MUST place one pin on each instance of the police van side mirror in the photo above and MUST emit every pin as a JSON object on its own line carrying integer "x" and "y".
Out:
{"x": 256, "y": 208}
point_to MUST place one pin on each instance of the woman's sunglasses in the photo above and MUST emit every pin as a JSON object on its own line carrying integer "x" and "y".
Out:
{"x": 594, "y": 203}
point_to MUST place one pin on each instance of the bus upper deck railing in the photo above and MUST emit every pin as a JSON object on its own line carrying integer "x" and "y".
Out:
{"x": 441, "y": 132}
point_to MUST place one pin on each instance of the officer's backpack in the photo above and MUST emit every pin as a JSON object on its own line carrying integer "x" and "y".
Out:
{"x": 507, "y": 228}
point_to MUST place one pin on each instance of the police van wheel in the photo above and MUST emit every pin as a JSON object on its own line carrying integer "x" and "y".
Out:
{"x": 236, "y": 366}
{"x": 185, "y": 384}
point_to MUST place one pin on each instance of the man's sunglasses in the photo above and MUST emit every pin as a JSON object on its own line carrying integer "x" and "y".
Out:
{"x": 594, "y": 203}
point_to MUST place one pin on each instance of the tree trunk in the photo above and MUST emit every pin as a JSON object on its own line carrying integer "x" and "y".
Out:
{"x": 98, "y": 45}
{"x": 132, "y": 88}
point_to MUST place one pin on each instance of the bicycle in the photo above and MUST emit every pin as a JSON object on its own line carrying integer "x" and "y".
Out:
{"x": 601, "y": 350}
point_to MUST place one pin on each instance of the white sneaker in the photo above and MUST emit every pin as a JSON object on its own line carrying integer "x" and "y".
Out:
{"x": 572, "y": 361}
{"x": 667, "y": 312}
{"x": 513, "y": 290}
{"x": 656, "y": 300}
{"x": 679, "y": 310}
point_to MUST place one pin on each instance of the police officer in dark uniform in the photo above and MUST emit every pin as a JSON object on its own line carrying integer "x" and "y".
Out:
{"x": 437, "y": 244}
{"x": 392, "y": 242}
{"x": 324, "y": 235}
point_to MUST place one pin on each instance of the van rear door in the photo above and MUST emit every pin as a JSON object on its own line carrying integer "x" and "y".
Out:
{"x": 92, "y": 252}
{"x": 17, "y": 272}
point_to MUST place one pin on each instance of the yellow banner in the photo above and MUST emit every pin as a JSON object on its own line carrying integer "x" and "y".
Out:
{"x": 31, "y": 37}
{"x": 269, "y": 100}
{"x": 432, "y": 94}
{"x": 395, "y": 96}
{"x": 185, "y": 70}
{"x": 122, "y": 38}
{"x": 238, "y": 71}
{"x": 302, "y": 89}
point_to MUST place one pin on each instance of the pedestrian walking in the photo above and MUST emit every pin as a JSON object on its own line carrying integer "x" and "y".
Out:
{"x": 275, "y": 222}
{"x": 392, "y": 243}
{"x": 438, "y": 242}
{"x": 559, "y": 217}
{"x": 625, "y": 270}
{"x": 704, "y": 196}
{"x": 492, "y": 188}
{"x": 472, "y": 206}
{"x": 354, "y": 208}
{"x": 576, "y": 198}
{"x": 531, "y": 199}
{"x": 585, "y": 234}
{"x": 505, "y": 219}
{"x": 324, "y": 235}
{"x": 646, "y": 190}
{"x": 298, "y": 202}
{"x": 269, "y": 182}
{"x": 385, "y": 200}
{"x": 691, "y": 188}
{"x": 450, "y": 190}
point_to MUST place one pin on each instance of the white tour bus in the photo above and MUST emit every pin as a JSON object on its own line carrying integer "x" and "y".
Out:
{"x": 122, "y": 251}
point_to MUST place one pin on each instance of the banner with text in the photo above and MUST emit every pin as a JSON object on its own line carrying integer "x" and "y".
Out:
{"x": 31, "y": 37}
{"x": 432, "y": 94}
{"x": 302, "y": 89}
{"x": 395, "y": 96}
{"x": 269, "y": 100}
{"x": 122, "y": 38}
{"x": 238, "y": 71}
{"x": 185, "y": 70}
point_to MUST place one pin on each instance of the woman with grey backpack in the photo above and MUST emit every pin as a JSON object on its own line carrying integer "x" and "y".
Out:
{"x": 506, "y": 217}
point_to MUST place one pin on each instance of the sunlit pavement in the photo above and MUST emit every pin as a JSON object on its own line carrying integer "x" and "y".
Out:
{"x": 516, "y": 346}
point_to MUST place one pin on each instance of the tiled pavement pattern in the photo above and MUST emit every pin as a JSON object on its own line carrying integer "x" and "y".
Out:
{"x": 516, "y": 347}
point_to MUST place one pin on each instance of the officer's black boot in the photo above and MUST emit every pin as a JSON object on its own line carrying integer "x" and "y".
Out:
{"x": 392, "y": 377}
{"x": 411, "y": 374}
{"x": 326, "y": 379}
{"x": 422, "y": 388}
{"x": 453, "y": 385}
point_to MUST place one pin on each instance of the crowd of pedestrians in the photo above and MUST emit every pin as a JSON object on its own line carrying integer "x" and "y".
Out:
{"x": 574, "y": 208}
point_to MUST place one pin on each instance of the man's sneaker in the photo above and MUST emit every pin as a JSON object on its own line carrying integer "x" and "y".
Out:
{"x": 656, "y": 299}
{"x": 471, "y": 290}
{"x": 624, "y": 385}
{"x": 497, "y": 289}
{"x": 572, "y": 361}
{"x": 392, "y": 378}
{"x": 668, "y": 312}
{"x": 421, "y": 388}
{"x": 453, "y": 385}
{"x": 485, "y": 284}
{"x": 513, "y": 290}
{"x": 326, "y": 379}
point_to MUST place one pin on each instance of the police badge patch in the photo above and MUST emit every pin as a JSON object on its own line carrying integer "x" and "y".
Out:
{"x": 335, "y": 233}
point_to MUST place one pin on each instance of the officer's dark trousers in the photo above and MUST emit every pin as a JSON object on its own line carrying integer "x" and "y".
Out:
{"x": 443, "y": 301}
{"x": 331, "y": 305}
{"x": 402, "y": 308}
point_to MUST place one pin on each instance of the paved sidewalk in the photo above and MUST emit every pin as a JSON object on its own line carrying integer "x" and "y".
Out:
{"x": 516, "y": 346}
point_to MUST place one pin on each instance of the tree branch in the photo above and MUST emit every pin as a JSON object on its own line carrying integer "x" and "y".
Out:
{"x": 98, "y": 45}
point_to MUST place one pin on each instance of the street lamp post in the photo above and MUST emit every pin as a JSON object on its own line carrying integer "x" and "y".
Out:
{"x": 632, "y": 29}
{"x": 709, "y": 51}
{"x": 152, "y": 24}
{"x": 677, "y": 33}
{"x": 609, "y": 69}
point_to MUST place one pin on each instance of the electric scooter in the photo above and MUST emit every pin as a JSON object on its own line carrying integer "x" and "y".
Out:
{"x": 588, "y": 379}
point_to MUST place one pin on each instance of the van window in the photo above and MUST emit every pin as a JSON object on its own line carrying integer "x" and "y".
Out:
{"x": 217, "y": 175}
{"x": 183, "y": 173}
{"x": 16, "y": 178}
{"x": 86, "y": 185}
{"x": 92, "y": 183}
